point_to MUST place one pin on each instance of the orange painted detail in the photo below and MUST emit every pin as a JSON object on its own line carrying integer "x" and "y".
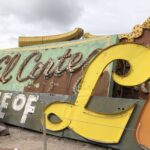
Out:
{"x": 143, "y": 127}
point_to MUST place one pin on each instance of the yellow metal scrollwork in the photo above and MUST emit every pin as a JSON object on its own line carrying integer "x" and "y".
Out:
{"x": 97, "y": 126}
{"x": 136, "y": 32}
{"x": 28, "y": 41}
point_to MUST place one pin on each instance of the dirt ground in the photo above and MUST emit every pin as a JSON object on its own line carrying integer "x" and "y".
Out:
{"x": 21, "y": 139}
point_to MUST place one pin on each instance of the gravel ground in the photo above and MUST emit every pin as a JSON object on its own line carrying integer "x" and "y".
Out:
{"x": 27, "y": 140}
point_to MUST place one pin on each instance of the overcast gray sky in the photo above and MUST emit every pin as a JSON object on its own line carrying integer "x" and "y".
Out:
{"x": 47, "y": 17}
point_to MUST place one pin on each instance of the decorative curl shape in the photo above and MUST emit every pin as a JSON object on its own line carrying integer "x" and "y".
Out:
{"x": 97, "y": 126}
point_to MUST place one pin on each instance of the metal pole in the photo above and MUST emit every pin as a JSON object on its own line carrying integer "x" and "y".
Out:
{"x": 44, "y": 133}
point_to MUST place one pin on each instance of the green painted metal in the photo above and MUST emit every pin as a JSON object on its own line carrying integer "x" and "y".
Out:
{"x": 99, "y": 104}
{"x": 55, "y": 50}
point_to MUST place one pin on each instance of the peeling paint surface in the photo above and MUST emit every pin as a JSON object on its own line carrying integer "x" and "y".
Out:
{"x": 22, "y": 68}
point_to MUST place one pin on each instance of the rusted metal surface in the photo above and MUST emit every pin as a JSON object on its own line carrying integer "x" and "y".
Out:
{"x": 54, "y": 69}
{"x": 144, "y": 38}
{"x": 64, "y": 80}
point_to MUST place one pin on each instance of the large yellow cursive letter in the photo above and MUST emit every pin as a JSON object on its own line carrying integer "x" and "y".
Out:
{"x": 97, "y": 126}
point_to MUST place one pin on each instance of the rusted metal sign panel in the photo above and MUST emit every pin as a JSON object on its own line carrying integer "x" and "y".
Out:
{"x": 53, "y": 68}
{"x": 26, "y": 110}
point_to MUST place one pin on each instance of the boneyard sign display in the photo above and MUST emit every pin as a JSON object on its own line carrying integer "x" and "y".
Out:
{"x": 62, "y": 81}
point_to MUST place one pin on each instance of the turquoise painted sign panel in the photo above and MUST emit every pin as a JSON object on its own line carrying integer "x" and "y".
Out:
{"x": 34, "y": 68}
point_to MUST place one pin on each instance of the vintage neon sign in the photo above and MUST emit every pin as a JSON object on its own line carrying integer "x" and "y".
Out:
{"x": 88, "y": 124}
{"x": 75, "y": 115}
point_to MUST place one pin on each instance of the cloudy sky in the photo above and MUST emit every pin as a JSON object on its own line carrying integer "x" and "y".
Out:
{"x": 47, "y": 17}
